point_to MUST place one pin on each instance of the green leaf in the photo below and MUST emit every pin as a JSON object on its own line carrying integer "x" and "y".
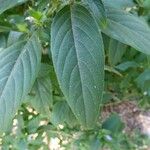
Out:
{"x": 107, "y": 97}
{"x": 4, "y": 28}
{"x": 62, "y": 114}
{"x": 128, "y": 29}
{"x": 106, "y": 41}
{"x": 19, "y": 65}
{"x": 7, "y": 4}
{"x": 20, "y": 124}
{"x": 35, "y": 14}
{"x": 143, "y": 81}
{"x": 121, "y": 4}
{"x": 33, "y": 124}
{"x": 13, "y": 37}
{"x": 40, "y": 97}
{"x": 42, "y": 101}
{"x": 97, "y": 8}
{"x": 44, "y": 70}
{"x": 78, "y": 57}
{"x": 146, "y": 4}
{"x": 116, "y": 51}
{"x": 95, "y": 143}
{"x": 126, "y": 65}
{"x": 113, "y": 123}
{"x": 2, "y": 42}
{"x": 112, "y": 70}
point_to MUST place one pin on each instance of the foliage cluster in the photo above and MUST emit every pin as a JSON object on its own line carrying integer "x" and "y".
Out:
{"x": 63, "y": 60}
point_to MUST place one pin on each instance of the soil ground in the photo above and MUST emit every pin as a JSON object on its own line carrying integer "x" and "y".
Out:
{"x": 131, "y": 115}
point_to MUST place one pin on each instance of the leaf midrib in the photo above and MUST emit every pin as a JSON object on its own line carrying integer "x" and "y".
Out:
{"x": 73, "y": 33}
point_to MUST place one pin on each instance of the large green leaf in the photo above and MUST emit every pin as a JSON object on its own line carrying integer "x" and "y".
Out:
{"x": 97, "y": 8}
{"x": 78, "y": 57}
{"x": 19, "y": 65}
{"x": 6, "y": 4}
{"x": 128, "y": 29}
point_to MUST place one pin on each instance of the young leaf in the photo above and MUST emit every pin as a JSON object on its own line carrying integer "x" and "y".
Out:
{"x": 128, "y": 29}
{"x": 19, "y": 65}
{"x": 6, "y": 4}
{"x": 78, "y": 57}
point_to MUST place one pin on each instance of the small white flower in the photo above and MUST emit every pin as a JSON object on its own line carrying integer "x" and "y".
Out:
{"x": 30, "y": 19}
{"x": 108, "y": 137}
{"x": 145, "y": 93}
